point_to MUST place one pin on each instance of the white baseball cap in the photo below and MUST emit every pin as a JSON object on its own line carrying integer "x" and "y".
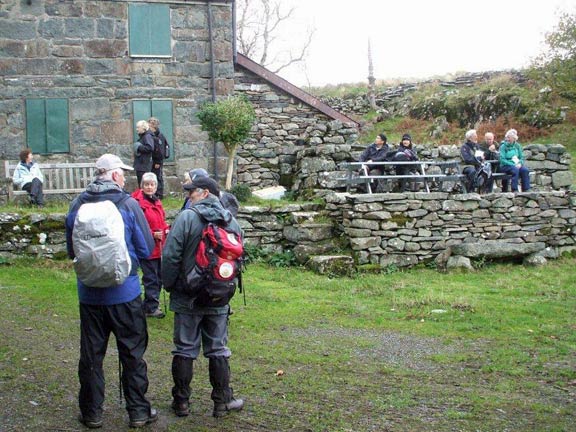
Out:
{"x": 108, "y": 162}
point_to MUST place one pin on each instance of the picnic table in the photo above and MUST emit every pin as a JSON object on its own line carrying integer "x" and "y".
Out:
{"x": 430, "y": 173}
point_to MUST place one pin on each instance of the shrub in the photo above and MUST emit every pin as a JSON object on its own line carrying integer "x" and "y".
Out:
{"x": 242, "y": 192}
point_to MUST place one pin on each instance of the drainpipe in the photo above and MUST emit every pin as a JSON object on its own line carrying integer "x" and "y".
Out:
{"x": 234, "y": 47}
{"x": 213, "y": 76}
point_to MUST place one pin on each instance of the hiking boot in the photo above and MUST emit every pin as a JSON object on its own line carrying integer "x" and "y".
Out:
{"x": 141, "y": 422}
{"x": 222, "y": 409}
{"x": 181, "y": 409}
{"x": 156, "y": 314}
{"x": 90, "y": 423}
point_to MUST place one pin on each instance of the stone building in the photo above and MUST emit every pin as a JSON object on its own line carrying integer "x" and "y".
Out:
{"x": 75, "y": 77}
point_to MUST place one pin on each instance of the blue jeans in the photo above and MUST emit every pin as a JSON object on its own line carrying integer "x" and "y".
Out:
{"x": 203, "y": 326}
{"x": 523, "y": 173}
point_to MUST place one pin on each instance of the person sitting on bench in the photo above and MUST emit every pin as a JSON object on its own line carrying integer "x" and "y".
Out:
{"x": 491, "y": 154}
{"x": 28, "y": 177}
{"x": 404, "y": 153}
{"x": 375, "y": 152}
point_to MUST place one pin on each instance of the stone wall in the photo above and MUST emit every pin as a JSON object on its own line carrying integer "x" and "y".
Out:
{"x": 285, "y": 127}
{"x": 79, "y": 51}
{"x": 271, "y": 229}
{"x": 391, "y": 100}
{"x": 404, "y": 230}
{"x": 400, "y": 230}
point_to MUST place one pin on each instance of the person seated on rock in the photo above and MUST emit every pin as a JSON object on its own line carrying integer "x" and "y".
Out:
{"x": 375, "y": 152}
{"x": 404, "y": 153}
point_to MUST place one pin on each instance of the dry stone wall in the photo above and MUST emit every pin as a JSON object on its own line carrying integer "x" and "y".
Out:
{"x": 285, "y": 127}
{"x": 400, "y": 230}
{"x": 404, "y": 230}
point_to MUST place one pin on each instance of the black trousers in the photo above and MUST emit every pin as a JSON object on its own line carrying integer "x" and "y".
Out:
{"x": 128, "y": 324}
{"x": 160, "y": 177}
{"x": 34, "y": 189}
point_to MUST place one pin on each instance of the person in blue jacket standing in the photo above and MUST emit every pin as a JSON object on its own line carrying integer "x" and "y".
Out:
{"x": 114, "y": 309}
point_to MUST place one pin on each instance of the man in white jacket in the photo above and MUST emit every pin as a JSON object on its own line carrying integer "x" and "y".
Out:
{"x": 27, "y": 176}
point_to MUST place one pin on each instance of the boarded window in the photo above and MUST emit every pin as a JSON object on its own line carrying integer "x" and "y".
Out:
{"x": 47, "y": 126}
{"x": 162, "y": 110}
{"x": 149, "y": 30}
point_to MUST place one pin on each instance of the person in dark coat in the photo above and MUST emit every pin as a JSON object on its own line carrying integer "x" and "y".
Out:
{"x": 151, "y": 266}
{"x": 473, "y": 157}
{"x": 197, "y": 325}
{"x": 404, "y": 153}
{"x": 143, "y": 150}
{"x": 159, "y": 154}
{"x": 375, "y": 152}
{"x": 115, "y": 309}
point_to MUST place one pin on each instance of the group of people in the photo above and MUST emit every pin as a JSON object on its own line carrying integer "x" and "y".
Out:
{"x": 379, "y": 151}
{"x": 165, "y": 255}
{"x": 507, "y": 158}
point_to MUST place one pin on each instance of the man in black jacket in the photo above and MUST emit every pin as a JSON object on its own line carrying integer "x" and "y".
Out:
{"x": 197, "y": 324}
{"x": 161, "y": 152}
{"x": 473, "y": 157}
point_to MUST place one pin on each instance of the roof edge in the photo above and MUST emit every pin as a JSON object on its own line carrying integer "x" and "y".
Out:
{"x": 291, "y": 89}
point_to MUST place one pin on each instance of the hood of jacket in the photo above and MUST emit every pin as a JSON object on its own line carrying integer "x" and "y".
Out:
{"x": 211, "y": 210}
{"x": 101, "y": 191}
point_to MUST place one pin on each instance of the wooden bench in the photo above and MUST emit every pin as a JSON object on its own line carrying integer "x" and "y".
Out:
{"x": 449, "y": 171}
{"x": 59, "y": 178}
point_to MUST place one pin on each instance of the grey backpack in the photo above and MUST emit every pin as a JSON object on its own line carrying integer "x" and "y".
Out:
{"x": 101, "y": 255}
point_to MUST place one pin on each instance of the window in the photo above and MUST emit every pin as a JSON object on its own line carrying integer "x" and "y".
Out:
{"x": 47, "y": 126}
{"x": 149, "y": 30}
{"x": 162, "y": 110}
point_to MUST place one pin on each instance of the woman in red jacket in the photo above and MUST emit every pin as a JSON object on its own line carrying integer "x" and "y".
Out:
{"x": 151, "y": 267}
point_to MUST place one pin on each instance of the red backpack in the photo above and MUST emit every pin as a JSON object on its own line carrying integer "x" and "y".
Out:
{"x": 219, "y": 260}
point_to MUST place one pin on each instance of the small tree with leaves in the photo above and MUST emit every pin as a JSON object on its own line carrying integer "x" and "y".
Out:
{"x": 228, "y": 121}
{"x": 557, "y": 65}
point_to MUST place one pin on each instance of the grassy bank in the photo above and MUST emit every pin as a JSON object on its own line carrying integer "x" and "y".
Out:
{"x": 415, "y": 351}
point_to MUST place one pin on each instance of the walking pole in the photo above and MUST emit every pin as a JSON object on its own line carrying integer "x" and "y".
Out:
{"x": 119, "y": 379}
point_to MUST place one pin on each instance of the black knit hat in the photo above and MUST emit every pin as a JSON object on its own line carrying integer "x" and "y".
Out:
{"x": 406, "y": 137}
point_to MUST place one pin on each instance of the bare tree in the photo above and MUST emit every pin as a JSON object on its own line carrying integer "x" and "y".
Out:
{"x": 259, "y": 24}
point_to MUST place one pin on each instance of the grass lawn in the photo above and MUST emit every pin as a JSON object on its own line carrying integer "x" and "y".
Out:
{"x": 409, "y": 351}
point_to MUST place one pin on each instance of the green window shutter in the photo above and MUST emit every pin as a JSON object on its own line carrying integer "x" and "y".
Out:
{"x": 36, "y": 125}
{"x": 162, "y": 110}
{"x": 47, "y": 126}
{"x": 149, "y": 30}
{"x": 57, "y": 136}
